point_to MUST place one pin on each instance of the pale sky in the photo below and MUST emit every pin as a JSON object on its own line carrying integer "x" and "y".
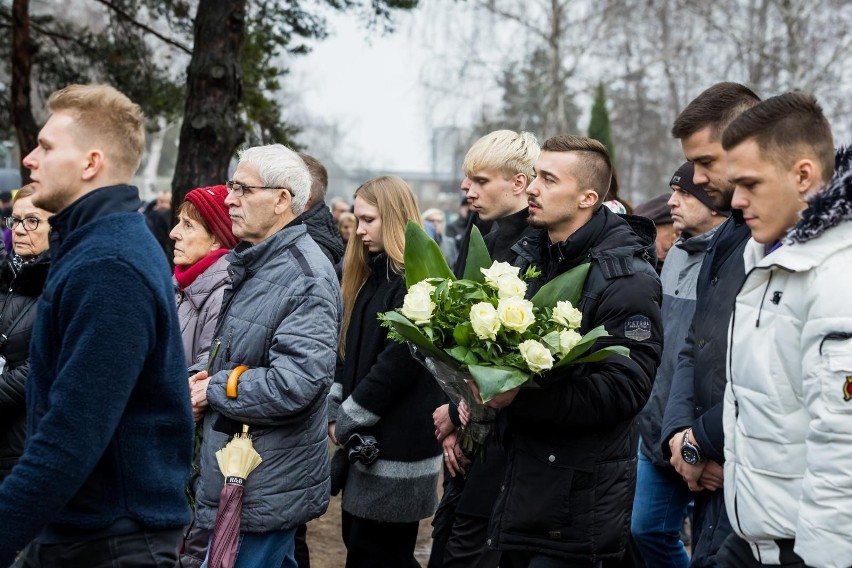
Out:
{"x": 370, "y": 85}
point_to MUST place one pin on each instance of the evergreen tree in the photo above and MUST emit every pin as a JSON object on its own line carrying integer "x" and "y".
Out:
{"x": 599, "y": 128}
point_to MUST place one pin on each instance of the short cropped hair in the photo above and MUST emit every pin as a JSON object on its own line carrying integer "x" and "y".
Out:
{"x": 506, "y": 150}
{"x": 596, "y": 169}
{"x": 786, "y": 128}
{"x": 109, "y": 119}
{"x": 319, "y": 177}
{"x": 279, "y": 166}
{"x": 715, "y": 108}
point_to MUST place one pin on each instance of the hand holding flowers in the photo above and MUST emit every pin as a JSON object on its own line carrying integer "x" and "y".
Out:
{"x": 483, "y": 328}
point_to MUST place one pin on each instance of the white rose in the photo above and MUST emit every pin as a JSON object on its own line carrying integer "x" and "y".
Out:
{"x": 567, "y": 340}
{"x": 483, "y": 318}
{"x": 422, "y": 287}
{"x": 567, "y": 315}
{"x": 536, "y": 355}
{"x": 498, "y": 269}
{"x": 510, "y": 286}
{"x": 418, "y": 305}
{"x": 516, "y": 313}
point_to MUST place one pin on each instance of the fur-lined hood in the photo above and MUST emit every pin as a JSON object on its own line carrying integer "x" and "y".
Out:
{"x": 829, "y": 207}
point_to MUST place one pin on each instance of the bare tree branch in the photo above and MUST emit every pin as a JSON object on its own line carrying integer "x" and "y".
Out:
{"x": 144, "y": 27}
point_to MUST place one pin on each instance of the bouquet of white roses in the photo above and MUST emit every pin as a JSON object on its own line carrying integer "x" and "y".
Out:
{"x": 482, "y": 327}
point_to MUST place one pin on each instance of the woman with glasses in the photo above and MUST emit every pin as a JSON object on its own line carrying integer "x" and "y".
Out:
{"x": 22, "y": 277}
{"x": 379, "y": 390}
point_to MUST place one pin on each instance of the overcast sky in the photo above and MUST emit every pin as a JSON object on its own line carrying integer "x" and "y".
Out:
{"x": 369, "y": 85}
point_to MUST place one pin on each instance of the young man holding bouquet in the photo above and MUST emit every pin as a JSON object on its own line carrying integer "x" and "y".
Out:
{"x": 499, "y": 167}
{"x": 568, "y": 491}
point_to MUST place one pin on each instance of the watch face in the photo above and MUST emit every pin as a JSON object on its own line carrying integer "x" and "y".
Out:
{"x": 689, "y": 455}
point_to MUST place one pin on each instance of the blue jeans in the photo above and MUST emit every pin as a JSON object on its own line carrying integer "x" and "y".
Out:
{"x": 262, "y": 550}
{"x": 659, "y": 508}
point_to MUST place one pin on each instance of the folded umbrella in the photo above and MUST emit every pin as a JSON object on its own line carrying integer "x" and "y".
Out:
{"x": 236, "y": 461}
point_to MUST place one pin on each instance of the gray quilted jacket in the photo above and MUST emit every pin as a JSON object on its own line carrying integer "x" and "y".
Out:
{"x": 281, "y": 318}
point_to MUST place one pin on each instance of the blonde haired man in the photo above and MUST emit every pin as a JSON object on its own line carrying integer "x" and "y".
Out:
{"x": 499, "y": 168}
{"x": 101, "y": 481}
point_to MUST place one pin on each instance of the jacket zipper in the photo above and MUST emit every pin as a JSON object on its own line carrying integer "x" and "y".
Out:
{"x": 763, "y": 299}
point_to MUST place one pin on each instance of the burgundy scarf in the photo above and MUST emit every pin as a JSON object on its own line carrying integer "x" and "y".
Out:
{"x": 187, "y": 275}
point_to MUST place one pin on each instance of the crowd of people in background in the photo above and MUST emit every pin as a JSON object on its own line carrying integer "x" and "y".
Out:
{"x": 731, "y": 415}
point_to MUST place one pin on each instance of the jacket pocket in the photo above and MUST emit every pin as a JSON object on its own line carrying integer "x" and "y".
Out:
{"x": 540, "y": 501}
{"x": 836, "y": 376}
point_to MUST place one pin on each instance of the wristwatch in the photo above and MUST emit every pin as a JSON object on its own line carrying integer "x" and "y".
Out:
{"x": 690, "y": 453}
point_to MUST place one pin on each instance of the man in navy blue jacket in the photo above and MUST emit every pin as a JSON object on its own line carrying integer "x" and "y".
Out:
{"x": 101, "y": 481}
{"x": 691, "y": 436}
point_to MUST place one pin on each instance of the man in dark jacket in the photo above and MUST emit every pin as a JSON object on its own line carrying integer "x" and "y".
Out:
{"x": 317, "y": 218}
{"x": 101, "y": 481}
{"x": 692, "y": 423}
{"x": 499, "y": 167}
{"x": 568, "y": 491}
{"x": 662, "y": 496}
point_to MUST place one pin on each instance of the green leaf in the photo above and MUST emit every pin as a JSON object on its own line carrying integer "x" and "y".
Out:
{"x": 477, "y": 257}
{"x": 423, "y": 258}
{"x": 463, "y": 355}
{"x": 461, "y": 334}
{"x": 602, "y": 354}
{"x": 495, "y": 380}
{"x": 552, "y": 341}
{"x": 583, "y": 345}
{"x": 410, "y": 332}
{"x": 566, "y": 286}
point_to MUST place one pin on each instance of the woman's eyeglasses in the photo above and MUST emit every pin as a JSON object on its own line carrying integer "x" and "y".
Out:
{"x": 30, "y": 223}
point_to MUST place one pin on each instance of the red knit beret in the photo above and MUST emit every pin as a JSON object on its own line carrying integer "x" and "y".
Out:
{"x": 210, "y": 203}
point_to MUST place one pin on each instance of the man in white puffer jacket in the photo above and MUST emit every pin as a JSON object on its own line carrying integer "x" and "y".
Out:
{"x": 788, "y": 402}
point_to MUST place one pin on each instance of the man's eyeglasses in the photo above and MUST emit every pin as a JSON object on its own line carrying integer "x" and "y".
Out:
{"x": 30, "y": 223}
{"x": 238, "y": 189}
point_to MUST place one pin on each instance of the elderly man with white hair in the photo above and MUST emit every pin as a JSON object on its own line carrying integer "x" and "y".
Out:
{"x": 281, "y": 320}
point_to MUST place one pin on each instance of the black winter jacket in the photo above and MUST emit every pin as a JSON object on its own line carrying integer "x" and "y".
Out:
{"x": 698, "y": 385}
{"x": 19, "y": 292}
{"x": 323, "y": 230}
{"x": 572, "y": 444}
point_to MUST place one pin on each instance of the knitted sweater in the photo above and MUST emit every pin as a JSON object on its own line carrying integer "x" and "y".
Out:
{"x": 381, "y": 390}
{"x": 109, "y": 424}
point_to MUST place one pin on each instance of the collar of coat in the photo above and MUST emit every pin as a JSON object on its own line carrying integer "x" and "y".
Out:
{"x": 246, "y": 258}
{"x": 828, "y": 207}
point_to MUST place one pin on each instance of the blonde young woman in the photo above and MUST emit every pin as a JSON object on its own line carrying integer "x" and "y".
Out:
{"x": 379, "y": 390}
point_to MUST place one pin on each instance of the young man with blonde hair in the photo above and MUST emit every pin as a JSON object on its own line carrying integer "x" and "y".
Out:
{"x": 788, "y": 401}
{"x": 101, "y": 481}
{"x": 499, "y": 168}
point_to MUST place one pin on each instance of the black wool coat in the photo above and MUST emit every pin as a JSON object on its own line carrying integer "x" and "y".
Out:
{"x": 19, "y": 292}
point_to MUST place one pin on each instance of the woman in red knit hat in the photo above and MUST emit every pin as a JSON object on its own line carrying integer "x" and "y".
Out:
{"x": 202, "y": 238}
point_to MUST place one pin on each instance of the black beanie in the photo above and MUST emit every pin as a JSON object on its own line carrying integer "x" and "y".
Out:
{"x": 682, "y": 178}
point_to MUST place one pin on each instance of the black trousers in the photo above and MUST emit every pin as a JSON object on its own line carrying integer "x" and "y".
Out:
{"x": 303, "y": 555}
{"x": 736, "y": 553}
{"x": 467, "y": 547}
{"x": 442, "y": 521}
{"x": 374, "y": 544}
{"x": 141, "y": 549}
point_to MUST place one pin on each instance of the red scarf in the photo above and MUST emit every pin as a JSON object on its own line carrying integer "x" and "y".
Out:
{"x": 187, "y": 275}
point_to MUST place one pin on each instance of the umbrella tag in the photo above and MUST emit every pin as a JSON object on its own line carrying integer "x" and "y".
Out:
{"x": 234, "y": 480}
